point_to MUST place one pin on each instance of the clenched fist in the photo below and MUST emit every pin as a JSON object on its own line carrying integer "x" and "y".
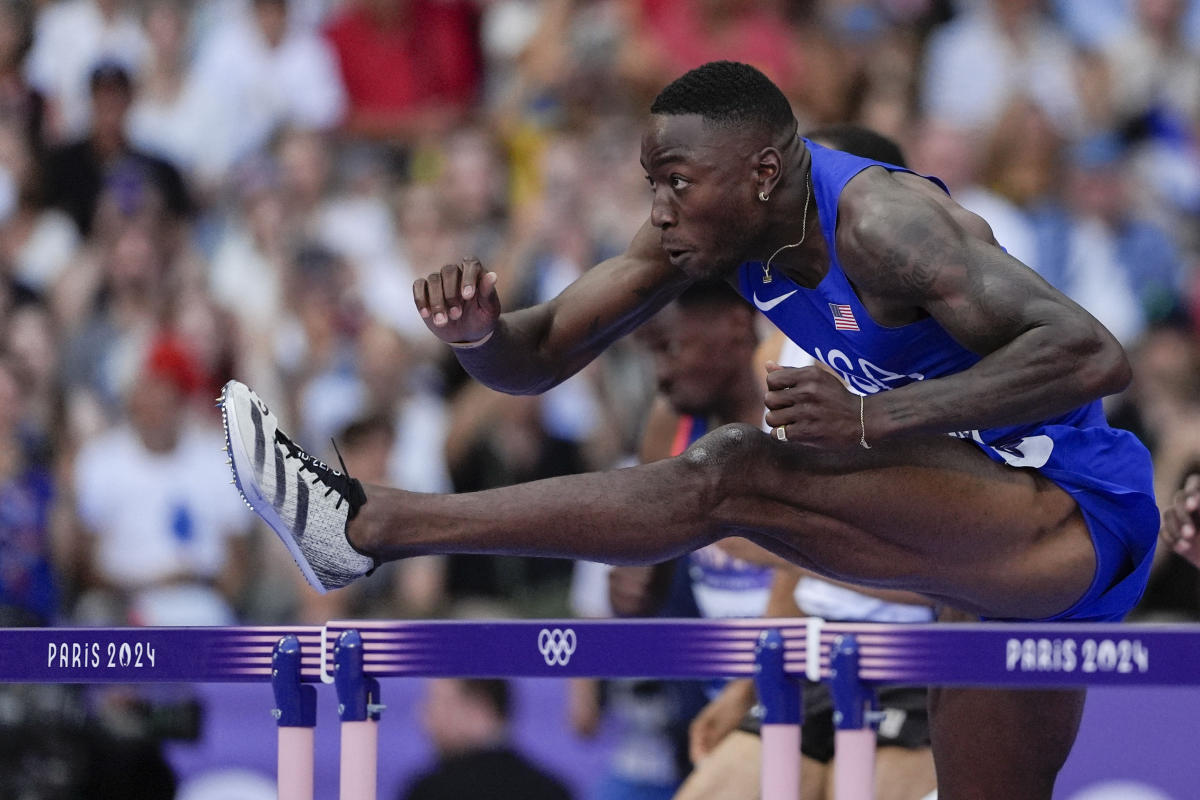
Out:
{"x": 458, "y": 303}
{"x": 813, "y": 407}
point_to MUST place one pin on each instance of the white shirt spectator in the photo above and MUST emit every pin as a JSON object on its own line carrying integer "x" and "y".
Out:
{"x": 262, "y": 88}
{"x": 1009, "y": 225}
{"x": 973, "y": 70}
{"x": 1097, "y": 281}
{"x": 418, "y": 461}
{"x": 157, "y": 516}
{"x": 70, "y": 39}
{"x": 52, "y": 245}
{"x": 184, "y": 130}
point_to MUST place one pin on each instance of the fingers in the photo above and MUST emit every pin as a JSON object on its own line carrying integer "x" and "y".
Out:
{"x": 430, "y": 297}
{"x": 441, "y": 297}
{"x": 1191, "y": 493}
{"x": 471, "y": 270}
{"x": 1179, "y": 526}
{"x": 779, "y": 377}
{"x": 451, "y": 286}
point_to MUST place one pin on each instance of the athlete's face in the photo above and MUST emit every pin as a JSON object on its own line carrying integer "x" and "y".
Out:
{"x": 704, "y": 185}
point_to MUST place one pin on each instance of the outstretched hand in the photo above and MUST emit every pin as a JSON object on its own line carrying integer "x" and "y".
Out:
{"x": 1181, "y": 519}
{"x": 813, "y": 406}
{"x": 458, "y": 303}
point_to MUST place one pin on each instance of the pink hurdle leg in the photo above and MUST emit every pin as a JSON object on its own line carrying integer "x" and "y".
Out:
{"x": 360, "y": 749}
{"x": 296, "y": 714}
{"x": 854, "y": 767}
{"x": 781, "y": 700}
{"x": 358, "y": 707}
{"x": 854, "y": 741}
{"x": 780, "y": 762}
{"x": 295, "y": 770}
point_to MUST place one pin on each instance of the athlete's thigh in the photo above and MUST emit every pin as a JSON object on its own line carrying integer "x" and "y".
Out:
{"x": 995, "y": 743}
{"x": 934, "y": 512}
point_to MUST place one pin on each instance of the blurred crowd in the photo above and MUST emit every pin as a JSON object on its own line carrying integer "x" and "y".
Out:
{"x": 191, "y": 191}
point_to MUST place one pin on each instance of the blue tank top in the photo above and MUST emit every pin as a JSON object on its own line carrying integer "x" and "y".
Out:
{"x": 833, "y": 325}
{"x": 1106, "y": 471}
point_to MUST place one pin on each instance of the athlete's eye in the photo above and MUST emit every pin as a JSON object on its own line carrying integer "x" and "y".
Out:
{"x": 678, "y": 182}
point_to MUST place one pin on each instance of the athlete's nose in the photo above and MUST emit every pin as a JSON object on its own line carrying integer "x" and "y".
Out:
{"x": 662, "y": 216}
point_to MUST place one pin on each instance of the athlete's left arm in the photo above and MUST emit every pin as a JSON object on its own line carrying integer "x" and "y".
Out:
{"x": 1042, "y": 354}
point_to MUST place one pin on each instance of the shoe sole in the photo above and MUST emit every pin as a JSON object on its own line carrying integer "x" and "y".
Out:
{"x": 236, "y": 451}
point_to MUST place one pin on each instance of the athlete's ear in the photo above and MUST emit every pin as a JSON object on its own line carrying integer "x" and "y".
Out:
{"x": 768, "y": 167}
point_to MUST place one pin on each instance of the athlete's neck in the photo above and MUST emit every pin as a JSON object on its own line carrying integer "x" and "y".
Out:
{"x": 793, "y": 242}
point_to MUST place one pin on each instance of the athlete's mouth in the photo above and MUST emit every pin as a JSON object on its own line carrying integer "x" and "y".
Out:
{"x": 676, "y": 254}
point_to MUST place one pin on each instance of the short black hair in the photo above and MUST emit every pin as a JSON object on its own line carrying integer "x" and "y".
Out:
{"x": 859, "y": 141}
{"x": 728, "y": 94}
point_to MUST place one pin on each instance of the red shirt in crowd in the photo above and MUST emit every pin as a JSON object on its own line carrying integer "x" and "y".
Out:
{"x": 424, "y": 54}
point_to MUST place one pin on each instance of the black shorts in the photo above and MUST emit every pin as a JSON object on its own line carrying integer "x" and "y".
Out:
{"x": 905, "y": 722}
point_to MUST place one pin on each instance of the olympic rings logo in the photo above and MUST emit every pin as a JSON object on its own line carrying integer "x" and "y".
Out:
{"x": 556, "y": 646}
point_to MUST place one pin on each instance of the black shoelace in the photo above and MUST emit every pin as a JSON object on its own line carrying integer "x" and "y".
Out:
{"x": 347, "y": 488}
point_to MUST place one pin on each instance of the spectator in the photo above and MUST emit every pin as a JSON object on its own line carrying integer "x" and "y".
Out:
{"x": 164, "y": 541}
{"x": 954, "y": 154}
{"x": 108, "y": 309}
{"x": 411, "y": 67}
{"x": 174, "y": 116}
{"x": 674, "y": 36}
{"x": 266, "y": 75}
{"x": 1101, "y": 198}
{"x": 21, "y": 106}
{"x": 70, "y": 39}
{"x": 1027, "y": 164}
{"x": 37, "y": 243}
{"x": 27, "y": 581}
{"x": 467, "y": 721}
{"x": 77, "y": 174}
{"x": 991, "y": 52}
{"x": 1152, "y": 68}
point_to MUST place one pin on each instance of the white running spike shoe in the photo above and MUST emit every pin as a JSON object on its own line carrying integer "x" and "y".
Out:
{"x": 305, "y": 501}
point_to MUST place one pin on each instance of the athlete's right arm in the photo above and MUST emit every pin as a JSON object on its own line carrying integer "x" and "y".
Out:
{"x": 531, "y": 350}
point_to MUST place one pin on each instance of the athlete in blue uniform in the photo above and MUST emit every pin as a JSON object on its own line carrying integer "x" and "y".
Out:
{"x": 1033, "y": 509}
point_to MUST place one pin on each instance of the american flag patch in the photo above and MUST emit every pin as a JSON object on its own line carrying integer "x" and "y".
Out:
{"x": 843, "y": 317}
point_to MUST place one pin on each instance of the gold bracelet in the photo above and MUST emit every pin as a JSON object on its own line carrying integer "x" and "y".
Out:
{"x": 862, "y": 422}
{"x": 474, "y": 344}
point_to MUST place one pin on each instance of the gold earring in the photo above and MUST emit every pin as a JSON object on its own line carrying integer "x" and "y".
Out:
{"x": 764, "y": 196}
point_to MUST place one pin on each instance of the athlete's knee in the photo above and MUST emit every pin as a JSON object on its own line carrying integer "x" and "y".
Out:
{"x": 714, "y": 469}
{"x": 725, "y": 454}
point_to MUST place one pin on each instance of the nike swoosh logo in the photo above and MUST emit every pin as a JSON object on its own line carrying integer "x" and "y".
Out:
{"x": 774, "y": 301}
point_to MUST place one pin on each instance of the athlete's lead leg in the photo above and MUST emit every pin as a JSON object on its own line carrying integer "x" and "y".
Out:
{"x": 933, "y": 515}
